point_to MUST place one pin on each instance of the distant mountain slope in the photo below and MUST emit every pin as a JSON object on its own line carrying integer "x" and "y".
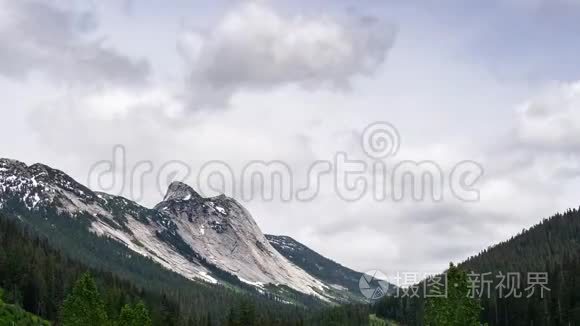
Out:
{"x": 317, "y": 265}
{"x": 551, "y": 247}
{"x": 327, "y": 270}
{"x": 550, "y": 243}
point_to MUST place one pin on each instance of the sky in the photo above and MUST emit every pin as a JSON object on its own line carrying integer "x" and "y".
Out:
{"x": 189, "y": 83}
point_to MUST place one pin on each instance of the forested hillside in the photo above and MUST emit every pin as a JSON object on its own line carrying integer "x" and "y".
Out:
{"x": 552, "y": 246}
{"x": 39, "y": 279}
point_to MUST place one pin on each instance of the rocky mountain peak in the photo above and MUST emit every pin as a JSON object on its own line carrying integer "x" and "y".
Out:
{"x": 9, "y": 164}
{"x": 180, "y": 191}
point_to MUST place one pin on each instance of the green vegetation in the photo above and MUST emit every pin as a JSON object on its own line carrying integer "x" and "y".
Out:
{"x": 135, "y": 315}
{"x": 376, "y": 321}
{"x": 552, "y": 247}
{"x": 346, "y": 315}
{"x": 14, "y": 315}
{"x": 84, "y": 306}
{"x": 456, "y": 308}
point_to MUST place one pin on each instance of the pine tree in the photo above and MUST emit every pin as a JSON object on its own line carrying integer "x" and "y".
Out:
{"x": 83, "y": 306}
{"x": 457, "y": 308}
{"x": 169, "y": 311}
{"x": 233, "y": 318}
{"x": 136, "y": 315}
{"x": 247, "y": 313}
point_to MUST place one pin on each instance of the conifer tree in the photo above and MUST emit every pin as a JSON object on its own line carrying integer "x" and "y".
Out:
{"x": 457, "y": 308}
{"x": 135, "y": 315}
{"x": 233, "y": 318}
{"x": 247, "y": 313}
{"x": 84, "y": 306}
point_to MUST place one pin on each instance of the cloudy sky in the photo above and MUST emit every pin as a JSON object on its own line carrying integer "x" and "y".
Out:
{"x": 297, "y": 81}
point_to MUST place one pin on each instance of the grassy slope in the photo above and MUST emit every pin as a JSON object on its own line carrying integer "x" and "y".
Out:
{"x": 13, "y": 315}
{"x": 376, "y": 321}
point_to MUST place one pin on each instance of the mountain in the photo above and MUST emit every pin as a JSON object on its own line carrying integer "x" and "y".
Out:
{"x": 223, "y": 232}
{"x": 208, "y": 240}
{"x": 317, "y": 265}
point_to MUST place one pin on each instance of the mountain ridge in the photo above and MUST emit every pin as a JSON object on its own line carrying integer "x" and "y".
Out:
{"x": 324, "y": 268}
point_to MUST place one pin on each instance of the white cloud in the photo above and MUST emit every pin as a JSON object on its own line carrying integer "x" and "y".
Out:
{"x": 58, "y": 42}
{"x": 551, "y": 121}
{"x": 253, "y": 46}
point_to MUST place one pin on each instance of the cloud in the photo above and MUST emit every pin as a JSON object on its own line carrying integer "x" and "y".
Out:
{"x": 58, "y": 42}
{"x": 551, "y": 120}
{"x": 254, "y": 47}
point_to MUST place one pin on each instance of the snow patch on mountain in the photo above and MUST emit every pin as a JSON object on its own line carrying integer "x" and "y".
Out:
{"x": 142, "y": 240}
